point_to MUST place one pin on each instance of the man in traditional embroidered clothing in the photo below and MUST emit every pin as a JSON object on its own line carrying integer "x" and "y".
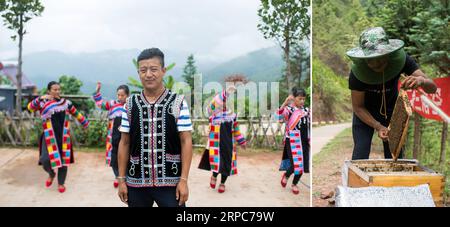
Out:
{"x": 378, "y": 63}
{"x": 115, "y": 110}
{"x": 55, "y": 145}
{"x": 295, "y": 158}
{"x": 155, "y": 150}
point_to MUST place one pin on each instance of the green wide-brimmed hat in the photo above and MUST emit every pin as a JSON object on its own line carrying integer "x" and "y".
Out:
{"x": 374, "y": 43}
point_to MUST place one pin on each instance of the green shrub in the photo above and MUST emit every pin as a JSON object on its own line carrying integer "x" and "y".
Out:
{"x": 93, "y": 136}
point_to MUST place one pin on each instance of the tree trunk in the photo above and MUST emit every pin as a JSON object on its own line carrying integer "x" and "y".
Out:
{"x": 300, "y": 68}
{"x": 443, "y": 144}
{"x": 417, "y": 136}
{"x": 289, "y": 83}
{"x": 287, "y": 51}
{"x": 19, "y": 73}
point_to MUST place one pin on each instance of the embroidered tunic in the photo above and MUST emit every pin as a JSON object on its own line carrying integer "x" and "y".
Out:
{"x": 55, "y": 121}
{"x": 220, "y": 156}
{"x": 155, "y": 146}
{"x": 115, "y": 110}
{"x": 297, "y": 138}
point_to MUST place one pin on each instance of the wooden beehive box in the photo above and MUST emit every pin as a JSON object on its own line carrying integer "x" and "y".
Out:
{"x": 386, "y": 173}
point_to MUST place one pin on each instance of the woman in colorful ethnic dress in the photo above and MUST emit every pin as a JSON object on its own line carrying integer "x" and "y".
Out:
{"x": 115, "y": 110}
{"x": 55, "y": 145}
{"x": 295, "y": 160}
{"x": 220, "y": 155}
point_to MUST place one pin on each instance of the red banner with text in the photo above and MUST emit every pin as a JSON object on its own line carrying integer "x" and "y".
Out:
{"x": 441, "y": 98}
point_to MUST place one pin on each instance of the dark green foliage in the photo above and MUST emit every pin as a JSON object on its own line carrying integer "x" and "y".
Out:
{"x": 337, "y": 26}
{"x": 430, "y": 36}
{"x": 189, "y": 71}
{"x": 287, "y": 22}
{"x": 70, "y": 85}
{"x": 16, "y": 13}
{"x": 94, "y": 136}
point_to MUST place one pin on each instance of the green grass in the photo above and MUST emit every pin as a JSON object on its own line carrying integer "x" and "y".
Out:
{"x": 316, "y": 193}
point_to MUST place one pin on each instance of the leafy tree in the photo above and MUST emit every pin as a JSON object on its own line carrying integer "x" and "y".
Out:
{"x": 396, "y": 18}
{"x": 189, "y": 71}
{"x": 372, "y": 7}
{"x": 70, "y": 85}
{"x": 288, "y": 22}
{"x": 4, "y": 79}
{"x": 422, "y": 24}
{"x": 301, "y": 68}
{"x": 16, "y": 13}
{"x": 430, "y": 34}
{"x": 2, "y": 5}
{"x": 337, "y": 26}
{"x": 300, "y": 61}
{"x": 300, "y": 65}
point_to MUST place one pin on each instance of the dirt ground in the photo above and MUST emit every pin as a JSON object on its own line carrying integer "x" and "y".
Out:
{"x": 89, "y": 183}
{"x": 328, "y": 166}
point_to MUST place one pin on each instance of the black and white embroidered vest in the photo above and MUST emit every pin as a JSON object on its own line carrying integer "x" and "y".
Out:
{"x": 155, "y": 147}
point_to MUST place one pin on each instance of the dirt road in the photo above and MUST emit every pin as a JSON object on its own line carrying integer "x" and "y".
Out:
{"x": 89, "y": 183}
{"x": 323, "y": 135}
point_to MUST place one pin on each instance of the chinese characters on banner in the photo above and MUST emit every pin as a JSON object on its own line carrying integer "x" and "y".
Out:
{"x": 441, "y": 98}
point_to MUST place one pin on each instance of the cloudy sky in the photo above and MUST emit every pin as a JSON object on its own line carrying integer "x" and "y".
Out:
{"x": 216, "y": 30}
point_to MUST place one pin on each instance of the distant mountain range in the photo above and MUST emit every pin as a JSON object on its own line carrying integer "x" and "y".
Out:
{"x": 261, "y": 65}
{"x": 113, "y": 67}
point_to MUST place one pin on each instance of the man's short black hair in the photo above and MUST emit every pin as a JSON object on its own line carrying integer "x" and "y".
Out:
{"x": 152, "y": 53}
{"x": 298, "y": 92}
